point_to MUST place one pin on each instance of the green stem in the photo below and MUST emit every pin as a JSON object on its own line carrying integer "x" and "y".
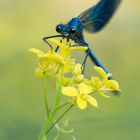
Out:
{"x": 45, "y": 95}
{"x": 52, "y": 113}
{"x": 66, "y": 111}
{"x": 61, "y": 106}
{"x": 58, "y": 95}
{"x": 42, "y": 133}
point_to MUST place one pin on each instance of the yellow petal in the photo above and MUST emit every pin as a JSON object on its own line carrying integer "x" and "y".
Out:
{"x": 87, "y": 81}
{"x": 69, "y": 91}
{"x": 37, "y": 52}
{"x": 79, "y": 78}
{"x": 64, "y": 41}
{"x": 96, "y": 83}
{"x": 57, "y": 43}
{"x": 39, "y": 73}
{"x": 77, "y": 70}
{"x": 84, "y": 89}
{"x": 69, "y": 66}
{"x": 52, "y": 56}
{"x": 57, "y": 58}
{"x": 104, "y": 95}
{"x": 101, "y": 72}
{"x": 92, "y": 101}
{"x": 113, "y": 84}
{"x": 82, "y": 104}
{"x": 65, "y": 81}
{"x": 78, "y": 48}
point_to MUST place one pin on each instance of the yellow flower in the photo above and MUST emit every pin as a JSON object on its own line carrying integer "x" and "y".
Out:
{"x": 50, "y": 55}
{"x": 65, "y": 47}
{"x": 96, "y": 84}
{"x": 77, "y": 73}
{"x": 69, "y": 65}
{"x": 39, "y": 73}
{"x": 110, "y": 84}
{"x": 77, "y": 70}
{"x": 65, "y": 50}
{"x": 65, "y": 81}
{"x": 82, "y": 95}
{"x": 49, "y": 62}
{"x": 104, "y": 85}
{"x": 75, "y": 76}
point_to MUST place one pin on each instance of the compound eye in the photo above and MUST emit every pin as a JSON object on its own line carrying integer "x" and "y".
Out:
{"x": 72, "y": 30}
{"x": 58, "y": 28}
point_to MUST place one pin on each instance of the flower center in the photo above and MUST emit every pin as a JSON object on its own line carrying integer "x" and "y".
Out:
{"x": 83, "y": 96}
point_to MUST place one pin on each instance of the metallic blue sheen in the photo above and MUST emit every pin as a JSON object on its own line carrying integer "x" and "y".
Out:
{"x": 92, "y": 20}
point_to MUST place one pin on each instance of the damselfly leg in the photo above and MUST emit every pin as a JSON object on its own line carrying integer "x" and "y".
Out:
{"x": 46, "y": 39}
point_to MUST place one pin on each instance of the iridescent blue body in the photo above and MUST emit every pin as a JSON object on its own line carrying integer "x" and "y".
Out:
{"x": 92, "y": 21}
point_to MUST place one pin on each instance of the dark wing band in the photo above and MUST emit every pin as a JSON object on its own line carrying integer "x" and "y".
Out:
{"x": 96, "y": 17}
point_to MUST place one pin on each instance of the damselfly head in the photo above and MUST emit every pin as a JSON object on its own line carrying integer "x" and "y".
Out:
{"x": 59, "y": 28}
{"x": 74, "y": 27}
{"x": 62, "y": 29}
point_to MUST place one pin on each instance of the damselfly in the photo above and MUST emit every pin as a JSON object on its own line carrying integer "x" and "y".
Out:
{"x": 92, "y": 20}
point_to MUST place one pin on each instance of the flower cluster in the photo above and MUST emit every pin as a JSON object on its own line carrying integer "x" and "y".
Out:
{"x": 73, "y": 83}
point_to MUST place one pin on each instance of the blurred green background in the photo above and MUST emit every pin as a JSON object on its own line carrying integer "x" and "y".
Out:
{"x": 23, "y": 23}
